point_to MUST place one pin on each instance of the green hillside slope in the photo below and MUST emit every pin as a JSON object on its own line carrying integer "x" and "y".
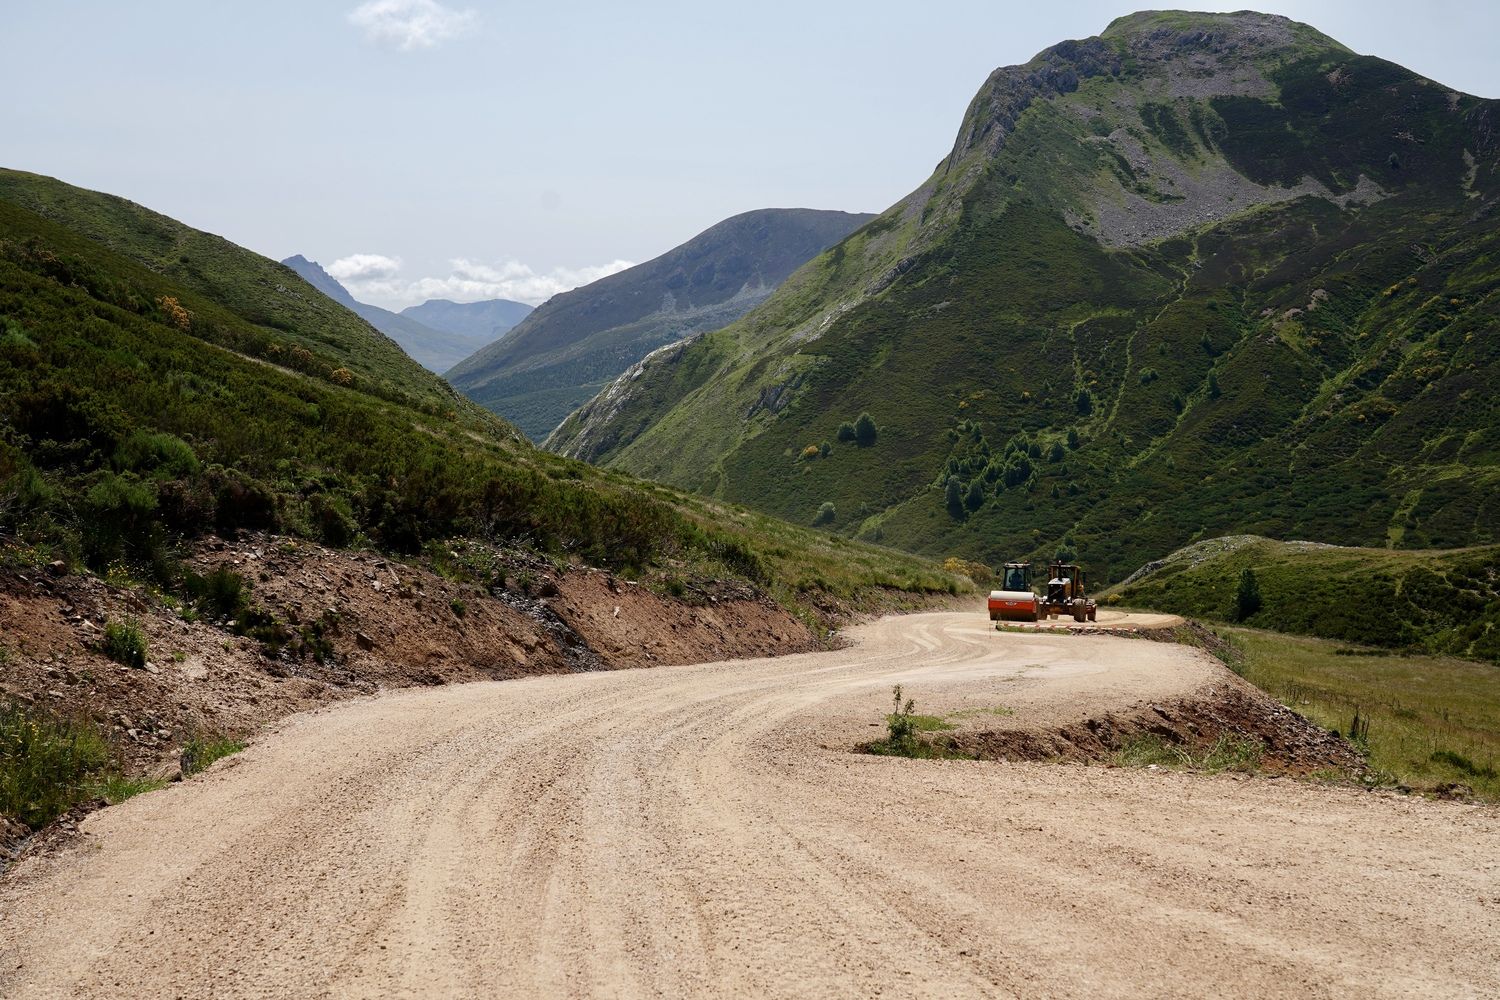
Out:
{"x": 1203, "y": 273}
{"x": 576, "y": 342}
{"x": 1444, "y": 601}
{"x": 261, "y": 294}
{"x": 137, "y": 410}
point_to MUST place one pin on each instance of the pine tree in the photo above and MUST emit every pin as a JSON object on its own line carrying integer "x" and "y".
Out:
{"x": 1247, "y": 599}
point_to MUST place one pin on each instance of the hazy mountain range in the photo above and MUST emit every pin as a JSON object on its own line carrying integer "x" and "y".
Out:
{"x": 438, "y": 333}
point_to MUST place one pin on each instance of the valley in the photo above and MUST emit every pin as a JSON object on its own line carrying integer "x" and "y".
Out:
{"x": 636, "y": 644}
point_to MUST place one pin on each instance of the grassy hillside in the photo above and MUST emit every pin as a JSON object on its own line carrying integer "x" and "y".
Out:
{"x": 1433, "y": 601}
{"x": 570, "y": 347}
{"x": 1202, "y": 274}
{"x": 138, "y": 410}
{"x": 265, "y": 299}
{"x": 1427, "y": 722}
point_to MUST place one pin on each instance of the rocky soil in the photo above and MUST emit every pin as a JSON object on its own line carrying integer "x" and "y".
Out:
{"x": 388, "y": 624}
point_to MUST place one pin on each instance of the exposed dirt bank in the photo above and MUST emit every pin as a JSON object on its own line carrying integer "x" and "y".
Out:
{"x": 387, "y": 624}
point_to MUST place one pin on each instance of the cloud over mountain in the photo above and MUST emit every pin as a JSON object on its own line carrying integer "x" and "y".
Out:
{"x": 377, "y": 278}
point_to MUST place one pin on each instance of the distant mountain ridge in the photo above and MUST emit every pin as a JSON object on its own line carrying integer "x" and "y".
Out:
{"x": 437, "y": 345}
{"x": 482, "y": 322}
{"x": 576, "y": 342}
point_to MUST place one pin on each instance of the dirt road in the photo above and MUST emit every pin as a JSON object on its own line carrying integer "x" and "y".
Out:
{"x": 703, "y": 831}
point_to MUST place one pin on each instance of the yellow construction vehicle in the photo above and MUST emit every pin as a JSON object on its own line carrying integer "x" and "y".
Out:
{"x": 1065, "y": 594}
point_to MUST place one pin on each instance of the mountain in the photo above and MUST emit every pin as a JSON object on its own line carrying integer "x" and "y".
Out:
{"x": 574, "y": 343}
{"x": 158, "y": 383}
{"x": 433, "y": 348}
{"x": 1201, "y": 274}
{"x": 478, "y": 322}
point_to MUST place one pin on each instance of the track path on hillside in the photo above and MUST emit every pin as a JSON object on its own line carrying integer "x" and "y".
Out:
{"x": 686, "y": 831}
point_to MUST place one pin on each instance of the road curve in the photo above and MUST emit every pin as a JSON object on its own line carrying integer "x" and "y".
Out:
{"x": 703, "y": 831}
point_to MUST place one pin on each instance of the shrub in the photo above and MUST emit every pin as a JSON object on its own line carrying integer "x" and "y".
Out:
{"x": 125, "y": 642}
{"x": 164, "y": 454}
{"x": 846, "y": 432}
{"x": 175, "y": 313}
{"x": 981, "y": 574}
{"x": 901, "y": 727}
{"x": 865, "y": 430}
{"x": 809, "y": 453}
{"x": 223, "y": 592}
{"x": 46, "y": 764}
{"x": 826, "y": 514}
{"x": 1073, "y": 438}
{"x": 1083, "y": 402}
{"x": 458, "y": 607}
{"x": 825, "y": 449}
{"x": 1213, "y": 386}
{"x": 332, "y": 519}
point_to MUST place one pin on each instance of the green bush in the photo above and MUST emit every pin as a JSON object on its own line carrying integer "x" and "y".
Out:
{"x": 826, "y": 514}
{"x": 162, "y": 454}
{"x": 221, "y": 592}
{"x": 46, "y": 764}
{"x": 125, "y": 642}
{"x": 846, "y": 432}
{"x": 865, "y": 431}
{"x": 974, "y": 497}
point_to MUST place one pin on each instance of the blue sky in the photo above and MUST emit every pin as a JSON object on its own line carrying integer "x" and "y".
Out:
{"x": 472, "y": 149}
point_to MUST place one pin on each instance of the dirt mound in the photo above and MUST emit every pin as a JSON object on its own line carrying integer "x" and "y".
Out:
{"x": 1195, "y": 725}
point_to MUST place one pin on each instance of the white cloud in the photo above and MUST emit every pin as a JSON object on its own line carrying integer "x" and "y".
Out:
{"x": 376, "y": 278}
{"x": 411, "y": 24}
{"x": 365, "y": 267}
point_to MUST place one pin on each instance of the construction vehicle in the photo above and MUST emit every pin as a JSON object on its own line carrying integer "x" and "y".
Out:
{"x": 1065, "y": 594}
{"x": 1017, "y": 601}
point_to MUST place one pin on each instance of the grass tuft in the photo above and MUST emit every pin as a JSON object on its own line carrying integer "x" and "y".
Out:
{"x": 201, "y": 752}
{"x": 1227, "y": 753}
{"x": 125, "y": 642}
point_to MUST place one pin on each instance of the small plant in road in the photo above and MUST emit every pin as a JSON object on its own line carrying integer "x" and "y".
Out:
{"x": 901, "y": 725}
{"x": 903, "y": 733}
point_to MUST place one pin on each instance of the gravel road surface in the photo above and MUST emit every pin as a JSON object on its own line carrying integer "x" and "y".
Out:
{"x": 704, "y": 831}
